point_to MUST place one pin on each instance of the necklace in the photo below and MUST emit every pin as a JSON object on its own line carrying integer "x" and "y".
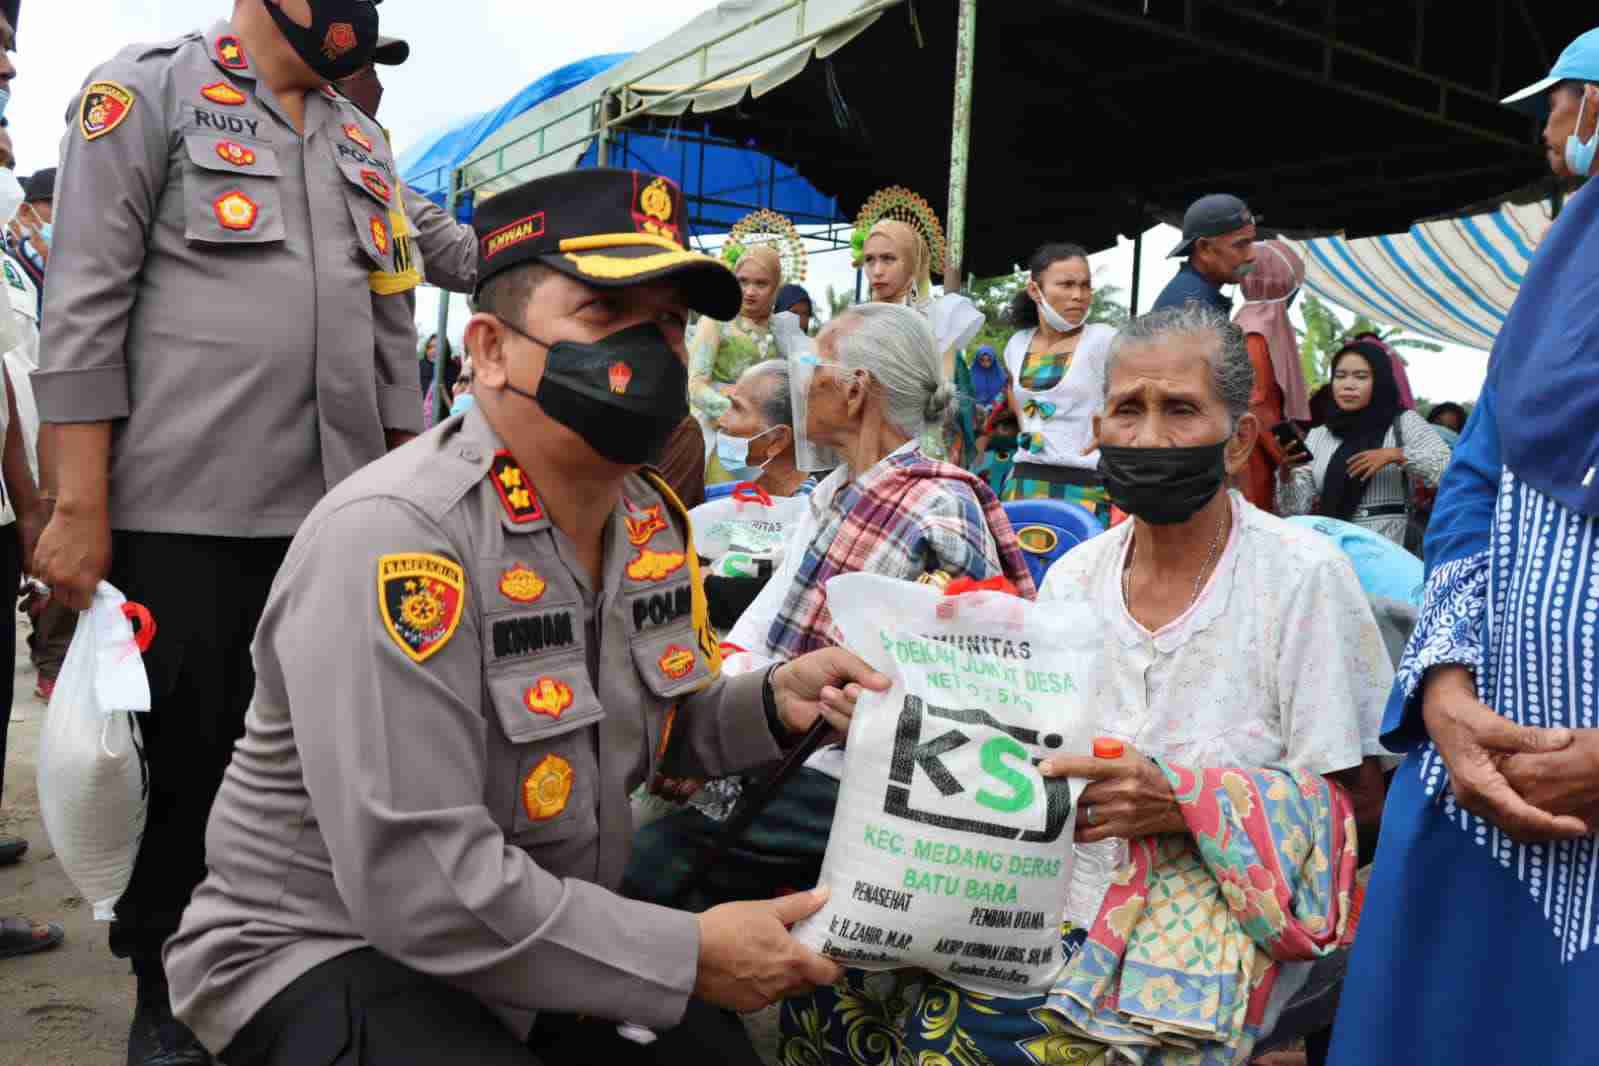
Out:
{"x": 1132, "y": 550}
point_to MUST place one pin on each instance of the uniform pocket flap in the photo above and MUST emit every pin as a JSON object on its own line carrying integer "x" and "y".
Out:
{"x": 232, "y": 155}
{"x": 670, "y": 660}
{"x": 545, "y": 700}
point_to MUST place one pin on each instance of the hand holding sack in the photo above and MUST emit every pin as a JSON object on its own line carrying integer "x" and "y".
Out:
{"x": 93, "y": 791}
{"x": 949, "y": 850}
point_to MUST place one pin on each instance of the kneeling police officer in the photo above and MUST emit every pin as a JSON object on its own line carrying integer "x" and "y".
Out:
{"x": 476, "y": 649}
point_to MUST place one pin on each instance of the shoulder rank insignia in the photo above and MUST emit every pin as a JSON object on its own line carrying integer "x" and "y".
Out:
{"x": 104, "y": 107}
{"x": 352, "y": 131}
{"x": 380, "y": 234}
{"x": 230, "y": 53}
{"x": 420, "y": 599}
{"x": 376, "y": 185}
{"x": 235, "y": 211}
{"x": 521, "y": 584}
{"x": 220, "y": 92}
{"x": 521, "y": 503}
{"x": 546, "y": 788}
{"x": 548, "y": 697}
{"x": 236, "y": 154}
{"x": 643, "y": 524}
{"x": 676, "y": 662}
{"x": 650, "y": 565}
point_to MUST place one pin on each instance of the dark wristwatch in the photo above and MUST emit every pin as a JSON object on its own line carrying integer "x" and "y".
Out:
{"x": 780, "y": 733}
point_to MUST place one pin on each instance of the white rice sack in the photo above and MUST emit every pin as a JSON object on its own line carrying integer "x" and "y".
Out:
{"x": 93, "y": 793}
{"x": 949, "y": 850}
{"x": 746, "y": 523}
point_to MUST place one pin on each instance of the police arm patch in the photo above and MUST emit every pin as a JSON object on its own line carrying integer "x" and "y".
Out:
{"x": 104, "y": 107}
{"x": 421, "y": 597}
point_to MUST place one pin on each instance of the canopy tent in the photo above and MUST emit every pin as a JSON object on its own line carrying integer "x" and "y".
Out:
{"x": 1452, "y": 280}
{"x": 726, "y": 180}
{"x": 1089, "y": 118}
{"x": 428, "y": 166}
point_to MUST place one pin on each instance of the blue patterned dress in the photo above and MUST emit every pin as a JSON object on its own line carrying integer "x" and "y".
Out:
{"x": 1472, "y": 947}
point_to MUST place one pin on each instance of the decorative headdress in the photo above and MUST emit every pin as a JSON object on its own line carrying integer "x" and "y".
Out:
{"x": 898, "y": 203}
{"x": 769, "y": 228}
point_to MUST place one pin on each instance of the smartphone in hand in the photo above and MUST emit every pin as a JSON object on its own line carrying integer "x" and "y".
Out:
{"x": 1292, "y": 439}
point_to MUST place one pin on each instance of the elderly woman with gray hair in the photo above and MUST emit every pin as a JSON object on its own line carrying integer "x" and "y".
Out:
{"x": 1239, "y": 696}
{"x": 889, "y": 510}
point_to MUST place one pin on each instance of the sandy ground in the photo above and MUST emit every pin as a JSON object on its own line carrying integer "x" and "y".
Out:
{"x": 70, "y": 1006}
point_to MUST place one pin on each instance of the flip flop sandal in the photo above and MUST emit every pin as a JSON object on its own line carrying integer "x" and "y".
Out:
{"x": 19, "y": 936}
{"x": 12, "y": 848}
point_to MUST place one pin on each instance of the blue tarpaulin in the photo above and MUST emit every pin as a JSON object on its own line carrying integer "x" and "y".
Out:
{"x": 723, "y": 181}
{"x": 426, "y": 167}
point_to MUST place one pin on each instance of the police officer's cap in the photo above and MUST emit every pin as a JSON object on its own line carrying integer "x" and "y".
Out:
{"x": 606, "y": 228}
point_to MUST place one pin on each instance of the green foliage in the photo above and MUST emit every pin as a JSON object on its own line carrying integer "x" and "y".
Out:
{"x": 1324, "y": 335}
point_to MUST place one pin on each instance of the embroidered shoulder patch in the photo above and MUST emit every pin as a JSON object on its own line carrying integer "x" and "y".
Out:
{"x": 105, "y": 106}
{"x": 420, "y": 599}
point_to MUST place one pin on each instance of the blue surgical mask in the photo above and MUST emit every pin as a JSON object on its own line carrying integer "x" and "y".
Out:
{"x": 5, "y": 98}
{"x": 46, "y": 232}
{"x": 734, "y": 455}
{"x": 1580, "y": 156}
{"x": 463, "y": 403}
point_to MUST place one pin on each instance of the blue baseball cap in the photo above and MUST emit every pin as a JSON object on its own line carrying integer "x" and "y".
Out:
{"x": 1579, "y": 62}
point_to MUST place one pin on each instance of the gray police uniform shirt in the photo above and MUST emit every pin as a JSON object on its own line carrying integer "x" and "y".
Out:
{"x": 448, "y": 721}
{"x": 228, "y": 293}
{"x": 447, "y": 249}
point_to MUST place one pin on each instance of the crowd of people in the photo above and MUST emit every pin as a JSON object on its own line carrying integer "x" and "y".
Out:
{"x": 432, "y": 625}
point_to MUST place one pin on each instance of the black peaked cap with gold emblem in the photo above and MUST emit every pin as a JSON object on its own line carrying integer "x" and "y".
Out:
{"x": 607, "y": 228}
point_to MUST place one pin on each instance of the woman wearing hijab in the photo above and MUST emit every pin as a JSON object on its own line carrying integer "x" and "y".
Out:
{"x": 1407, "y": 396}
{"x": 1057, "y": 364}
{"x": 722, "y": 351}
{"x": 1279, "y": 391}
{"x": 1362, "y": 460}
{"x": 988, "y": 379}
{"x": 794, "y": 298}
{"x": 1479, "y": 939}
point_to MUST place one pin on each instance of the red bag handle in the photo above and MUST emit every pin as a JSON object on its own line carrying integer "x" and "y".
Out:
{"x": 750, "y": 492}
{"x": 997, "y": 583}
{"x": 144, "y": 624}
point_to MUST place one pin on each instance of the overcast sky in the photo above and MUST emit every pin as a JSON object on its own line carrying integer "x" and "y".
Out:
{"x": 482, "y": 53}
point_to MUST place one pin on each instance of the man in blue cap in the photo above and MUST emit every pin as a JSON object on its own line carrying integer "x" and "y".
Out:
{"x": 1479, "y": 935}
{"x": 1219, "y": 244}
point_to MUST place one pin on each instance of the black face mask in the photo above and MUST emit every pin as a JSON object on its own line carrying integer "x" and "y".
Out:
{"x": 341, "y": 39}
{"x": 624, "y": 395}
{"x": 1163, "y": 485}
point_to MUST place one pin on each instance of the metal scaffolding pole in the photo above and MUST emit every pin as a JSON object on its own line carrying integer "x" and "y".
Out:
{"x": 442, "y": 403}
{"x": 961, "y": 134}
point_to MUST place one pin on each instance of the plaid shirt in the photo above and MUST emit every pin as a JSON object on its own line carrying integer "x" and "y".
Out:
{"x": 907, "y": 516}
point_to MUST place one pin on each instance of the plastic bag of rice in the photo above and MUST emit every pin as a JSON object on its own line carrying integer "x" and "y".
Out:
{"x": 949, "y": 850}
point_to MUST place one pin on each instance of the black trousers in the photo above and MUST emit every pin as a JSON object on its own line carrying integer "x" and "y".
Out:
{"x": 206, "y": 595}
{"x": 10, "y": 578}
{"x": 365, "y": 1009}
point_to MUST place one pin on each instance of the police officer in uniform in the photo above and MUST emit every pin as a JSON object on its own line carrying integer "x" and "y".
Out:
{"x": 476, "y": 649}
{"x": 226, "y": 337}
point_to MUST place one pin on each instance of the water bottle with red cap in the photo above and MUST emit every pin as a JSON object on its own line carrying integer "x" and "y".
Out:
{"x": 1095, "y": 864}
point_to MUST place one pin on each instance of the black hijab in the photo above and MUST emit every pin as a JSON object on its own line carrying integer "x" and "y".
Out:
{"x": 1358, "y": 431}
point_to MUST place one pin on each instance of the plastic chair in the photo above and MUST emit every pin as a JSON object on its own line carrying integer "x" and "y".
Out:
{"x": 1386, "y": 570}
{"x": 1048, "y": 529}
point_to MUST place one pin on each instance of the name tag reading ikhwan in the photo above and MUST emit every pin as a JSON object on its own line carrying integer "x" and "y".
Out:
{"x": 950, "y": 852}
